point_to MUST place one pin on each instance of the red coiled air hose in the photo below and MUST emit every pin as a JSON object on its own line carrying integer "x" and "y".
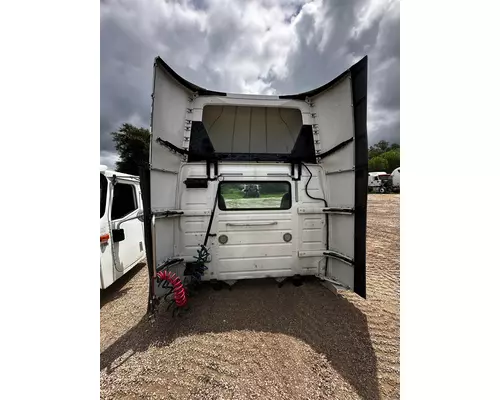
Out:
{"x": 175, "y": 281}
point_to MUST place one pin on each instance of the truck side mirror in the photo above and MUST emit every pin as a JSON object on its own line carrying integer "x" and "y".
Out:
{"x": 118, "y": 235}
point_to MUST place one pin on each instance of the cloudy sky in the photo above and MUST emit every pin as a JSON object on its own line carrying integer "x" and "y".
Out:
{"x": 246, "y": 46}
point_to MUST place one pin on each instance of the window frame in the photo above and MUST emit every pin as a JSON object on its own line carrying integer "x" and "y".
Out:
{"x": 136, "y": 203}
{"x": 252, "y": 182}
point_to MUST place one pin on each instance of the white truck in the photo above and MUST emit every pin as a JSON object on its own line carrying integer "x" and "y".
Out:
{"x": 377, "y": 182}
{"x": 308, "y": 153}
{"x": 396, "y": 180}
{"x": 122, "y": 232}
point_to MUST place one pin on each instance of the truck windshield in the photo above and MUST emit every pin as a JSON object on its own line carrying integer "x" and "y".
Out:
{"x": 104, "y": 192}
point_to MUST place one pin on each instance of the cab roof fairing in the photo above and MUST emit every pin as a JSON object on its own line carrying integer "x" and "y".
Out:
{"x": 299, "y": 96}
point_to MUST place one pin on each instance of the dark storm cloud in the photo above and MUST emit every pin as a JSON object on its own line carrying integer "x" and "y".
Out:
{"x": 223, "y": 45}
{"x": 311, "y": 67}
{"x": 126, "y": 69}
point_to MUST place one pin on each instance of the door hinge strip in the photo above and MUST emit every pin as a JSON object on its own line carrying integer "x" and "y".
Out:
{"x": 327, "y": 253}
{"x": 329, "y": 210}
{"x": 168, "y": 214}
{"x": 339, "y": 171}
{"x": 180, "y": 213}
{"x": 164, "y": 170}
{"x": 339, "y": 256}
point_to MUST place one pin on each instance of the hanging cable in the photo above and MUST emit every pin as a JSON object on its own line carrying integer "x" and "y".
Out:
{"x": 319, "y": 199}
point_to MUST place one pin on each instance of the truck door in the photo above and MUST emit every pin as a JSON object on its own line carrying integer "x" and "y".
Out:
{"x": 129, "y": 248}
{"x": 107, "y": 269}
{"x": 171, "y": 118}
{"x": 339, "y": 111}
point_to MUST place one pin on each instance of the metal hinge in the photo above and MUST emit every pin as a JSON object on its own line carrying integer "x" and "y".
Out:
{"x": 168, "y": 213}
{"x": 329, "y": 210}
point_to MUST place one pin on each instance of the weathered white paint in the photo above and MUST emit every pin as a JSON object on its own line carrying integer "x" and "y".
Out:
{"x": 249, "y": 123}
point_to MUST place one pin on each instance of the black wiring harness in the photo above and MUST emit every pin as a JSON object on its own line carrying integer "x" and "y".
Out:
{"x": 317, "y": 198}
{"x": 193, "y": 272}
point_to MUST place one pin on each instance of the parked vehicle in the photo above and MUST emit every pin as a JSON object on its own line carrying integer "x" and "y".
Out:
{"x": 251, "y": 191}
{"x": 122, "y": 232}
{"x": 379, "y": 182}
{"x": 308, "y": 154}
{"x": 395, "y": 176}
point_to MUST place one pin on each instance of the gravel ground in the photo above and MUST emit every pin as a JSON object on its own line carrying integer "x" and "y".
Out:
{"x": 258, "y": 341}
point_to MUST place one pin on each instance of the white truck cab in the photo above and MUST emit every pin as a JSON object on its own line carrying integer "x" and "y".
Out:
{"x": 260, "y": 186}
{"x": 376, "y": 181}
{"x": 122, "y": 232}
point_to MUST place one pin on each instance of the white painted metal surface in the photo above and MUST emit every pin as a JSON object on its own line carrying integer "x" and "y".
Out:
{"x": 244, "y": 124}
{"x": 241, "y": 129}
{"x": 396, "y": 177}
{"x": 120, "y": 203}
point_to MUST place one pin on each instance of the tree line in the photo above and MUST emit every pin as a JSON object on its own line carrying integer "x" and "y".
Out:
{"x": 383, "y": 157}
{"x": 132, "y": 146}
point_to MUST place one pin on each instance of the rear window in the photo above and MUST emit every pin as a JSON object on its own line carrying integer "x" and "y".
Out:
{"x": 253, "y": 195}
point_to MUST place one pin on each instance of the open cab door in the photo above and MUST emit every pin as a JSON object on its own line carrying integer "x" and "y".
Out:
{"x": 170, "y": 103}
{"x": 338, "y": 110}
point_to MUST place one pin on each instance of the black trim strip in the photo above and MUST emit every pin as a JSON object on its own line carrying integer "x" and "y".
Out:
{"x": 171, "y": 146}
{"x": 359, "y": 83}
{"x": 188, "y": 85}
{"x": 314, "y": 92}
{"x": 145, "y": 185}
{"x": 196, "y": 183}
{"x": 339, "y": 210}
{"x": 339, "y": 256}
{"x": 168, "y": 213}
{"x": 255, "y": 157}
{"x": 336, "y": 148}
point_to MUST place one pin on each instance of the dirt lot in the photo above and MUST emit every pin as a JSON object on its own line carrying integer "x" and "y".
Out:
{"x": 258, "y": 341}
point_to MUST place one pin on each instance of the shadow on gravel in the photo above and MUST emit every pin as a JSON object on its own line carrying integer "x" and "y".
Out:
{"x": 116, "y": 290}
{"x": 328, "y": 323}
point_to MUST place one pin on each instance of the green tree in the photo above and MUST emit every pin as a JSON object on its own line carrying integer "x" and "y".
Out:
{"x": 392, "y": 158}
{"x": 383, "y": 145}
{"x": 373, "y": 152}
{"x": 132, "y": 145}
{"x": 378, "y": 149}
{"x": 378, "y": 164}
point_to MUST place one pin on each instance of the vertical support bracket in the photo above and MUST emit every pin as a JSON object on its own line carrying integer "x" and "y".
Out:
{"x": 188, "y": 122}
{"x": 315, "y": 128}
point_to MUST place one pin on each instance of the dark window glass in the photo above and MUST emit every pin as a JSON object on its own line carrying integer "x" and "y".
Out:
{"x": 253, "y": 195}
{"x": 104, "y": 193}
{"x": 124, "y": 201}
